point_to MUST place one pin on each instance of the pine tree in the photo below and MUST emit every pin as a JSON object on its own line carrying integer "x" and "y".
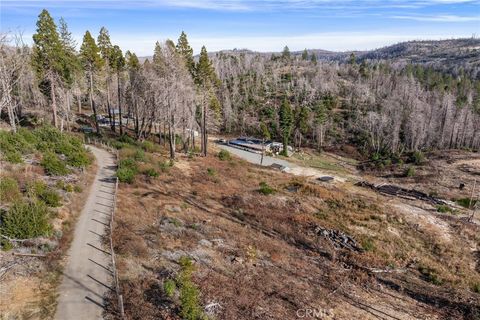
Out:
{"x": 305, "y": 55}
{"x": 71, "y": 64}
{"x": 313, "y": 58}
{"x": 363, "y": 69}
{"x": 132, "y": 61}
{"x": 186, "y": 52}
{"x": 352, "y": 59}
{"x": 286, "y": 121}
{"x": 206, "y": 79}
{"x": 158, "y": 59}
{"x": 205, "y": 73}
{"x": 117, "y": 64}
{"x": 48, "y": 57}
{"x": 92, "y": 62}
{"x": 133, "y": 66}
{"x": 286, "y": 53}
{"x": 105, "y": 46}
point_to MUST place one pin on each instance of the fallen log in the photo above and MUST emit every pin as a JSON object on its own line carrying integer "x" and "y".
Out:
{"x": 29, "y": 255}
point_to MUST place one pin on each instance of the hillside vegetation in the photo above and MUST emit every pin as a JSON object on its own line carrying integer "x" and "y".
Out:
{"x": 42, "y": 184}
{"x": 219, "y": 238}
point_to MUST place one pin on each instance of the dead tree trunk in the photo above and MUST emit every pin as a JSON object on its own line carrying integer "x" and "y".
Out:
{"x": 54, "y": 101}
{"x": 119, "y": 103}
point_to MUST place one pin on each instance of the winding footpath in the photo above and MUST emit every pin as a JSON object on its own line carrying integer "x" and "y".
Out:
{"x": 87, "y": 276}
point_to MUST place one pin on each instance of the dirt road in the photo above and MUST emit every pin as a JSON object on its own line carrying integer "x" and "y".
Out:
{"x": 87, "y": 275}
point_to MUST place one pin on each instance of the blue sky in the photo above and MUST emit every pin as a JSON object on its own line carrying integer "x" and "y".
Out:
{"x": 266, "y": 25}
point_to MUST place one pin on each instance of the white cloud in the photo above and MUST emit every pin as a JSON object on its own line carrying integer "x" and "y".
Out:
{"x": 439, "y": 18}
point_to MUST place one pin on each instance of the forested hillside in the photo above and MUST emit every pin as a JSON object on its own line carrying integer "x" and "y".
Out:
{"x": 383, "y": 107}
{"x": 385, "y": 102}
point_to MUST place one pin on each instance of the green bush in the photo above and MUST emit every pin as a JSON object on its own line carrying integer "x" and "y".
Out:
{"x": 128, "y": 163}
{"x": 50, "y": 197}
{"x": 418, "y": 157}
{"x": 149, "y": 146}
{"x": 9, "y": 190}
{"x": 39, "y": 190}
{"x": 126, "y": 175}
{"x": 430, "y": 275}
{"x": 13, "y": 145}
{"x": 224, "y": 155}
{"x": 189, "y": 293}
{"x": 466, "y": 202}
{"x": 169, "y": 287}
{"x": 139, "y": 155}
{"x": 368, "y": 245}
{"x": 77, "y": 188}
{"x": 53, "y": 165}
{"x": 165, "y": 165}
{"x": 126, "y": 139}
{"x": 265, "y": 189}
{"x": 476, "y": 288}
{"x": 26, "y": 220}
{"x": 211, "y": 172}
{"x": 410, "y": 172}
{"x": 151, "y": 172}
{"x": 5, "y": 245}
{"x": 444, "y": 208}
{"x": 45, "y": 139}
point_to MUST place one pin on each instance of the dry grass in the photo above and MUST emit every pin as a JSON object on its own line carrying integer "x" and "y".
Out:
{"x": 258, "y": 256}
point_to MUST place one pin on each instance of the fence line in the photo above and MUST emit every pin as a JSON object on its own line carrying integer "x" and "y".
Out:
{"x": 118, "y": 293}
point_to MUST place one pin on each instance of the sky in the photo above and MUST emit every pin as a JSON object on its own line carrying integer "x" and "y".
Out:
{"x": 260, "y": 25}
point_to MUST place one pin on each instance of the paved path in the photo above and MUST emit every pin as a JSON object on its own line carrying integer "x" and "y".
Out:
{"x": 87, "y": 275}
{"x": 289, "y": 166}
{"x": 256, "y": 157}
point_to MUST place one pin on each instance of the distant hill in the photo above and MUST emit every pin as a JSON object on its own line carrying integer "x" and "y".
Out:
{"x": 453, "y": 55}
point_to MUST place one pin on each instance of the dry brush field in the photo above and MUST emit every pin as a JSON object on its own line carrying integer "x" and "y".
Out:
{"x": 223, "y": 239}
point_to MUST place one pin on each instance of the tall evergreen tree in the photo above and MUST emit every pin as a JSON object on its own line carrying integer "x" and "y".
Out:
{"x": 186, "y": 52}
{"x": 92, "y": 62}
{"x": 133, "y": 66}
{"x": 71, "y": 64}
{"x": 117, "y": 64}
{"x": 205, "y": 73}
{"x": 286, "y": 121}
{"x": 286, "y": 53}
{"x": 313, "y": 58}
{"x": 305, "y": 55}
{"x": 105, "y": 46}
{"x": 158, "y": 59}
{"x": 352, "y": 59}
{"x": 206, "y": 79}
{"x": 48, "y": 57}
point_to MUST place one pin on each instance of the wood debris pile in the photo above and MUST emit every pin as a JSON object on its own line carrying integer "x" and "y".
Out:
{"x": 397, "y": 191}
{"x": 339, "y": 239}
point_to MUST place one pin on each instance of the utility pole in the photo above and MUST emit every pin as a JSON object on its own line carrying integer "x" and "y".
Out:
{"x": 263, "y": 151}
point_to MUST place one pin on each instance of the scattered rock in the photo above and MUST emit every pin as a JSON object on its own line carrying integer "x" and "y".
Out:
{"x": 205, "y": 243}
